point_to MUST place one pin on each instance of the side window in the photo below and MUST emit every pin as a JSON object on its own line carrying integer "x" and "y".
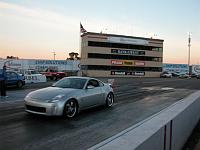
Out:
{"x": 8, "y": 75}
{"x": 27, "y": 72}
{"x": 13, "y": 75}
{"x": 100, "y": 83}
{"x": 94, "y": 83}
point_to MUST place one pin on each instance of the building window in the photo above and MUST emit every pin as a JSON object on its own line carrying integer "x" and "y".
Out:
{"x": 120, "y": 45}
{"x": 123, "y": 57}
{"x": 123, "y": 68}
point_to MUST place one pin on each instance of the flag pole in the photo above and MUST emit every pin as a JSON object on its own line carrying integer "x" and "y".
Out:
{"x": 80, "y": 48}
{"x": 82, "y": 31}
{"x": 80, "y": 39}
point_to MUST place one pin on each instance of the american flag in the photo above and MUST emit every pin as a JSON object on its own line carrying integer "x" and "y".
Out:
{"x": 82, "y": 30}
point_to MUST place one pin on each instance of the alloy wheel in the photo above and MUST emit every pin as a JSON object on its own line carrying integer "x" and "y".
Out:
{"x": 110, "y": 100}
{"x": 70, "y": 109}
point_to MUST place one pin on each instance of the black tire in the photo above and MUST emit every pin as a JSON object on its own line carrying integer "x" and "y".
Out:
{"x": 48, "y": 78}
{"x": 19, "y": 84}
{"x": 54, "y": 78}
{"x": 110, "y": 100}
{"x": 70, "y": 109}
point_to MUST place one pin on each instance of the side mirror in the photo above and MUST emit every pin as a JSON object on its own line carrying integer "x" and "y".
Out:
{"x": 110, "y": 85}
{"x": 90, "y": 87}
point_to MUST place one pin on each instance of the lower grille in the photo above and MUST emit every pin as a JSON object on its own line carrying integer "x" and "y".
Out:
{"x": 36, "y": 109}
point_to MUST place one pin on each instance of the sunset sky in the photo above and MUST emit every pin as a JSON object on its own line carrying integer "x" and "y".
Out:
{"x": 36, "y": 28}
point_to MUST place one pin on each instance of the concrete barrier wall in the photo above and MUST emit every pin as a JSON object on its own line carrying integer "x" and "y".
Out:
{"x": 166, "y": 130}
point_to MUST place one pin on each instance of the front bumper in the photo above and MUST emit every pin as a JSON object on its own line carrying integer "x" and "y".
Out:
{"x": 43, "y": 108}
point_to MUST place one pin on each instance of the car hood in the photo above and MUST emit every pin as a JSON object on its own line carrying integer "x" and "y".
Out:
{"x": 50, "y": 92}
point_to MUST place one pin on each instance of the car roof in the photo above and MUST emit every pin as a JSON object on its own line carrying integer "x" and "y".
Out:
{"x": 11, "y": 71}
{"x": 82, "y": 77}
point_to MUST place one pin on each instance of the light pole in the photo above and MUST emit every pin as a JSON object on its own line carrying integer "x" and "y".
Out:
{"x": 189, "y": 45}
{"x": 54, "y": 55}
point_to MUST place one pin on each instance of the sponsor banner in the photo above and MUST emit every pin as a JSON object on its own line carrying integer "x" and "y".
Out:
{"x": 118, "y": 73}
{"x": 127, "y": 52}
{"x": 122, "y": 62}
{"x": 117, "y": 62}
{"x": 14, "y": 64}
{"x": 51, "y": 62}
{"x": 127, "y": 63}
{"x": 127, "y": 40}
{"x": 40, "y": 65}
{"x": 137, "y": 73}
{"x": 139, "y": 63}
{"x": 40, "y": 68}
{"x": 35, "y": 78}
{"x": 176, "y": 68}
{"x": 196, "y": 69}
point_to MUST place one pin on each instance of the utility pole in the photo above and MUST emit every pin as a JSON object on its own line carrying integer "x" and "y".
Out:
{"x": 54, "y": 55}
{"x": 189, "y": 45}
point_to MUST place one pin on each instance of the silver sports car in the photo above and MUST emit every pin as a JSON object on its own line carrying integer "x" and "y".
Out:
{"x": 69, "y": 96}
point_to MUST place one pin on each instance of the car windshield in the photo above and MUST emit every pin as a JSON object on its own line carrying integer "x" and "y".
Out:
{"x": 29, "y": 72}
{"x": 34, "y": 72}
{"x": 75, "y": 83}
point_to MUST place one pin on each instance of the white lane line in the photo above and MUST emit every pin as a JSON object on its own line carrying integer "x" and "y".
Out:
{"x": 167, "y": 88}
{"x": 151, "y": 88}
{"x": 159, "y": 81}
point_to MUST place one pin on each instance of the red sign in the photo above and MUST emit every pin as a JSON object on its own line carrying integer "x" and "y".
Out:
{"x": 122, "y": 62}
{"x": 139, "y": 63}
{"x": 116, "y": 62}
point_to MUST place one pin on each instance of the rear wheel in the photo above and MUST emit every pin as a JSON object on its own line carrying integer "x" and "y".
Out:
{"x": 109, "y": 100}
{"x": 54, "y": 78}
{"x": 71, "y": 109}
{"x": 19, "y": 84}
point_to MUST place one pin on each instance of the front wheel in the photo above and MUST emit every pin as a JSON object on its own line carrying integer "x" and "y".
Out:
{"x": 109, "y": 100}
{"x": 19, "y": 84}
{"x": 70, "y": 109}
{"x": 54, "y": 78}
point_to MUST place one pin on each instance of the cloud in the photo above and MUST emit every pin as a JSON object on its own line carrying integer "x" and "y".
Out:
{"x": 37, "y": 15}
{"x": 45, "y": 29}
{"x": 58, "y": 21}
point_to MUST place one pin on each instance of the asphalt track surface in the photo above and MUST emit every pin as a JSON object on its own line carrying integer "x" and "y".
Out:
{"x": 135, "y": 100}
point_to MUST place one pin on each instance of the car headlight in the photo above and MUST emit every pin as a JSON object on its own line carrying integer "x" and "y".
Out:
{"x": 57, "y": 98}
{"x": 27, "y": 97}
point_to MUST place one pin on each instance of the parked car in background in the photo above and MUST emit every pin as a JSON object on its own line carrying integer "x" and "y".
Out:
{"x": 14, "y": 79}
{"x": 53, "y": 74}
{"x": 193, "y": 75}
{"x": 174, "y": 74}
{"x": 165, "y": 75}
{"x": 198, "y": 76}
{"x": 68, "y": 96}
{"x": 184, "y": 75}
{"x": 32, "y": 76}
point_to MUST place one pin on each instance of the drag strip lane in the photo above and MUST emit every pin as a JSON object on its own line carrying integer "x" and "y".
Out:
{"x": 91, "y": 127}
{"x": 20, "y": 130}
